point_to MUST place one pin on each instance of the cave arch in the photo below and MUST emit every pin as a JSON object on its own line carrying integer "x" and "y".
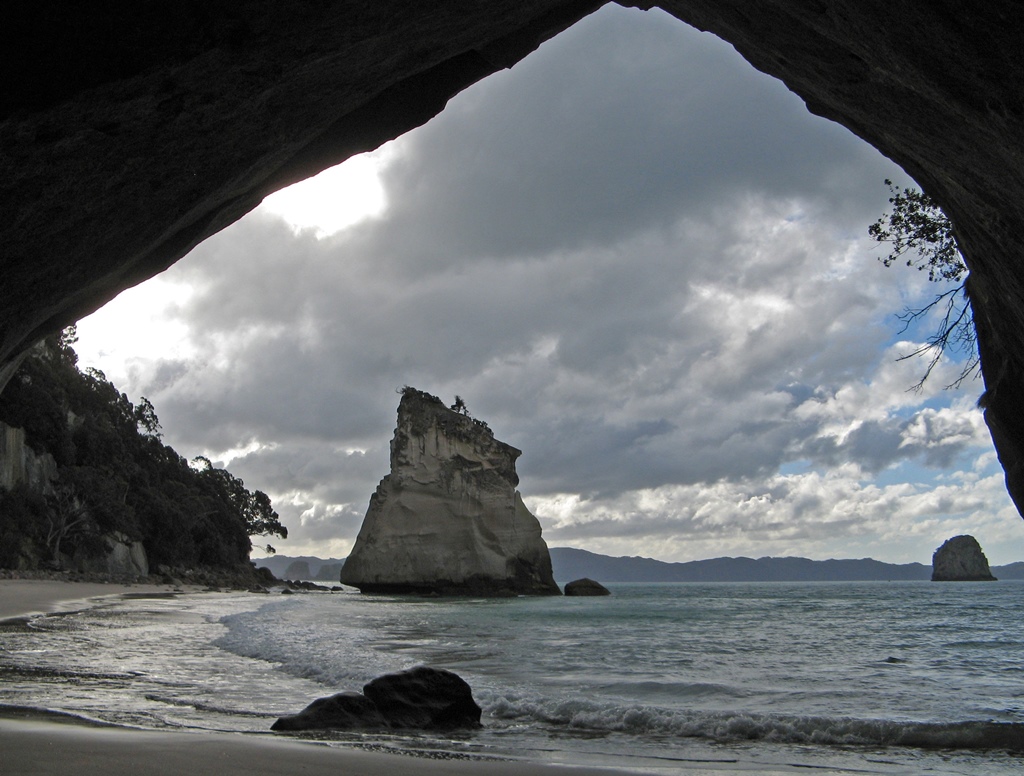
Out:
{"x": 130, "y": 136}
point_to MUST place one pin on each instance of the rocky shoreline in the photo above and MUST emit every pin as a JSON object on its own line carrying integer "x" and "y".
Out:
{"x": 255, "y": 580}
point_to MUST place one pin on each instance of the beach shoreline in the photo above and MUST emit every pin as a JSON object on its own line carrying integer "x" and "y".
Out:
{"x": 33, "y": 745}
{"x": 36, "y": 742}
{"x": 21, "y": 598}
{"x": 133, "y": 677}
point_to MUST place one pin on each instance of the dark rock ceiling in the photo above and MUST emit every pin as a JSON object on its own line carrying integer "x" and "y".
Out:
{"x": 130, "y": 132}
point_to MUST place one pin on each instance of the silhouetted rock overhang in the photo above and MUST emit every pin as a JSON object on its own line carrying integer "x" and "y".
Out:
{"x": 130, "y": 132}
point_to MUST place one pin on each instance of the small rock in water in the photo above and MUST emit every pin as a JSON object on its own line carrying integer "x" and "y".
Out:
{"x": 586, "y": 586}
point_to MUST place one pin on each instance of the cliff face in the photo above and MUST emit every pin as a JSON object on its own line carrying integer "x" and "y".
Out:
{"x": 448, "y": 518}
{"x": 961, "y": 559}
{"x": 131, "y": 132}
{"x": 113, "y": 553}
{"x": 19, "y": 464}
{"x": 87, "y": 485}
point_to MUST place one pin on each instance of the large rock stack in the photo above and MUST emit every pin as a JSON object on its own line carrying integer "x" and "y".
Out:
{"x": 448, "y": 519}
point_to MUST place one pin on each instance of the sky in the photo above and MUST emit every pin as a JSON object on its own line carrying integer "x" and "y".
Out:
{"x": 641, "y": 262}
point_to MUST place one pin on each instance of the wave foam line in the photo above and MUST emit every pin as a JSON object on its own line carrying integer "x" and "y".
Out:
{"x": 726, "y": 727}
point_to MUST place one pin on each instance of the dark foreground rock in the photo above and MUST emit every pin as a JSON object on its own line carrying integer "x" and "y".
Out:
{"x": 421, "y": 698}
{"x": 961, "y": 559}
{"x": 585, "y": 586}
{"x": 344, "y": 711}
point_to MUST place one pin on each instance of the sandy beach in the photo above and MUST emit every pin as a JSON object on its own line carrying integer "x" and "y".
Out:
{"x": 38, "y": 744}
{"x": 34, "y": 747}
{"x": 25, "y": 597}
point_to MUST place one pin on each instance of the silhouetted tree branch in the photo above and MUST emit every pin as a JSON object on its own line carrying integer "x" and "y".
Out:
{"x": 922, "y": 236}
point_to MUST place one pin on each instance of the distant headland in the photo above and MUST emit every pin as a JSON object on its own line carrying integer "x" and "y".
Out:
{"x": 569, "y": 563}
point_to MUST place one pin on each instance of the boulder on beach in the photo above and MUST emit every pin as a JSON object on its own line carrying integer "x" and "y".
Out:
{"x": 422, "y": 698}
{"x": 448, "y": 519}
{"x": 585, "y": 586}
{"x": 344, "y": 711}
{"x": 961, "y": 559}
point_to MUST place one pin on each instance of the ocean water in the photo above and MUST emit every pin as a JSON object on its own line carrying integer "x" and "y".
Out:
{"x": 886, "y": 678}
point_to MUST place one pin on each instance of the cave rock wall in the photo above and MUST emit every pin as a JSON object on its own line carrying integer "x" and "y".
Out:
{"x": 131, "y": 132}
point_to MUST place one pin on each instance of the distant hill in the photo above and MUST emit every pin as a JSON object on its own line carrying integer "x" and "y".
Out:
{"x": 569, "y": 564}
{"x": 572, "y": 564}
{"x": 302, "y": 567}
{"x": 1009, "y": 571}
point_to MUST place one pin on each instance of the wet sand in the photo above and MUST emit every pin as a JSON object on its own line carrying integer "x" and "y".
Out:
{"x": 34, "y": 747}
{"x": 25, "y": 597}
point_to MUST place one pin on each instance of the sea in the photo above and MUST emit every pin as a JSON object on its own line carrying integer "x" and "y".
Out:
{"x": 833, "y": 678}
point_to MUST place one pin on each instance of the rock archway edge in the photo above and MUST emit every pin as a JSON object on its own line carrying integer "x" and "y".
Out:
{"x": 131, "y": 133}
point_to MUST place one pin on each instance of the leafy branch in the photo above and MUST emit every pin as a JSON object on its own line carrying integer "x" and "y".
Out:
{"x": 921, "y": 236}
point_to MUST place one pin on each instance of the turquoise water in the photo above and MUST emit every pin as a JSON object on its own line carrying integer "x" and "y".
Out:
{"x": 888, "y": 678}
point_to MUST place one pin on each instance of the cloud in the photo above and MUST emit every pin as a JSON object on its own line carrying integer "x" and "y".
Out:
{"x": 627, "y": 119}
{"x": 641, "y": 262}
{"x": 838, "y": 514}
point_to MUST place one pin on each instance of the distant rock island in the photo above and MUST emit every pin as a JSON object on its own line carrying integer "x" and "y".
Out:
{"x": 961, "y": 559}
{"x": 448, "y": 519}
{"x": 585, "y": 587}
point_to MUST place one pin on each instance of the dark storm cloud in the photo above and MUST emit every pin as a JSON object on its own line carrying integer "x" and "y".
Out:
{"x": 873, "y": 445}
{"x": 617, "y": 253}
{"x": 628, "y": 121}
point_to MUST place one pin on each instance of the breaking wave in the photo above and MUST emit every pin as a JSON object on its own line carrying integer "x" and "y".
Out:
{"x": 731, "y": 727}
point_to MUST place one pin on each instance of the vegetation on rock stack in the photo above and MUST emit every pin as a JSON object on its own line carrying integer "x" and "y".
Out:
{"x": 114, "y": 474}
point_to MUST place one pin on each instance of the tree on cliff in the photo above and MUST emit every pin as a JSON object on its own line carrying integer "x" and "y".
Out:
{"x": 115, "y": 474}
{"x": 253, "y": 507}
{"x": 145, "y": 416}
{"x": 64, "y": 515}
{"x": 921, "y": 235}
